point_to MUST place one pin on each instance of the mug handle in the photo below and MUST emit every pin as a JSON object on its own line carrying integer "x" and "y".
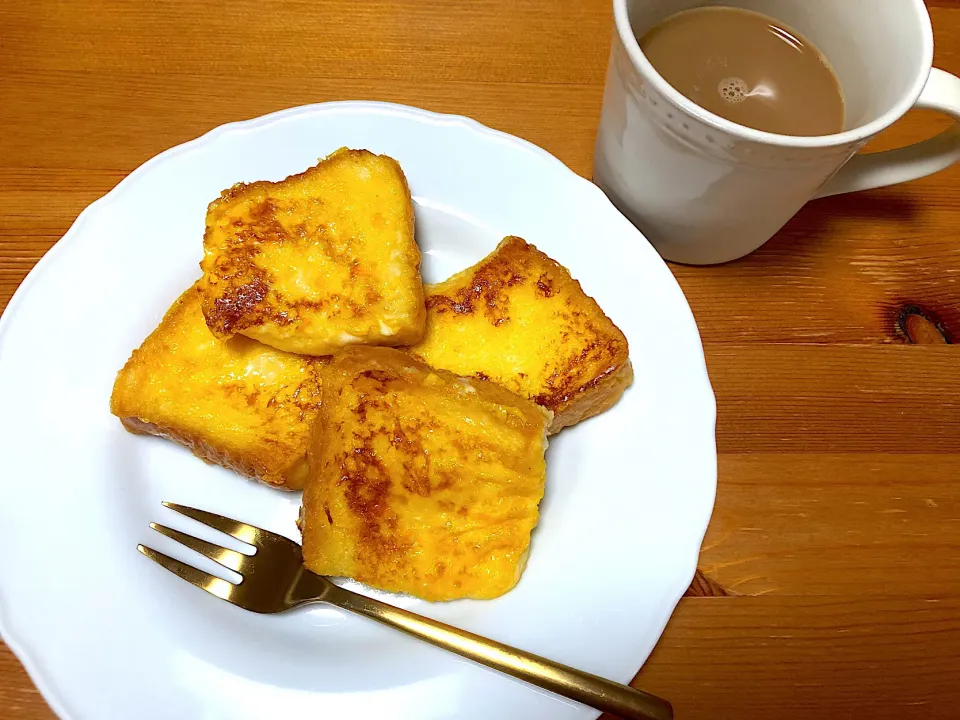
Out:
{"x": 873, "y": 170}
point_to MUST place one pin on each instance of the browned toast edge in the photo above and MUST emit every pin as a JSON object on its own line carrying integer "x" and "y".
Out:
{"x": 209, "y": 454}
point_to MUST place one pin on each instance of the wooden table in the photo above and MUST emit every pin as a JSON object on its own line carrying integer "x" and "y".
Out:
{"x": 831, "y": 569}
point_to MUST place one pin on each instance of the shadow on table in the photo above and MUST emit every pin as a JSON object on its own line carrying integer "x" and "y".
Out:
{"x": 823, "y": 226}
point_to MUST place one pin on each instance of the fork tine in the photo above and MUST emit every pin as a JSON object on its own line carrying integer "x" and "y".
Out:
{"x": 230, "y": 559}
{"x": 205, "y": 581}
{"x": 241, "y": 531}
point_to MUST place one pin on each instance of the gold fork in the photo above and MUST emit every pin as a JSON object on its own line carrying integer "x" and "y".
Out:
{"x": 274, "y": 580}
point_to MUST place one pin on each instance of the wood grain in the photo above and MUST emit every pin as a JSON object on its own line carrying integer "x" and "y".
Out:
{"x": 859, "y": 524}
{"x": 19, "y": 698}
{"x": 827, "y": 585}
{"x": 836, "y": 398}
{"x": 809, "y": 657}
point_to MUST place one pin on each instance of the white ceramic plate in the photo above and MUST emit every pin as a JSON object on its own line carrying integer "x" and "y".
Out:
{"x": 105, "y": 633}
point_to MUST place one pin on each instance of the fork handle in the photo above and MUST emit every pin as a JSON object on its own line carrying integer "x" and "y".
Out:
{"x": 597, "y": 692}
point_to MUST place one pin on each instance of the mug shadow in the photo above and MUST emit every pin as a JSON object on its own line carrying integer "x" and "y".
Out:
{"x": 823, "y": 225}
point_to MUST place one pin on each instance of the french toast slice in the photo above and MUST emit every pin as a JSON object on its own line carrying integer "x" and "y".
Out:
{"x": 236, "y": 403}
{"x": 320, "y": 260}
{"x": 518, "y": 318}
{"x": 421, "y": 481}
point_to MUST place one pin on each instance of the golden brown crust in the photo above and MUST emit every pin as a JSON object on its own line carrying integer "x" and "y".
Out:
{"x": 518, "y": 318}
{"x": 421, "y": 481}
{"x": 234, "y": 403}
{"x": 248, "y": 466}
{"x": 594, "y": 399}
{"x": 322, "y": 259}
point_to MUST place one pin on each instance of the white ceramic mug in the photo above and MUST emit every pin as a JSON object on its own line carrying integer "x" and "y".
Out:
{"x": 705, "y": 190}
